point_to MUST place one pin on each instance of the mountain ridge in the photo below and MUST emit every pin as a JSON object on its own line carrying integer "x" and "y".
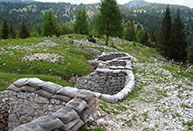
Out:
{"x": 136, "y": 3}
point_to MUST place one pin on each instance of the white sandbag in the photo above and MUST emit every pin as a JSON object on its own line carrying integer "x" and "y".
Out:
{"x": 14, "y": 88}
{"x": 50, "y": 87}
{"x": 48, "y": 124}
{"x": 77, "y": 104}
{"x": 68, "y": 91}
{"x": 28, "y": 88}
{"x": 21, "y": 82}
{"x": 44, "y": 93}
{"x": 66, "y": 114}
{"x": 70, "y": 124}
{"x": 109, "y": 98}
{"x": 77, "y": 126}
{"x": 61, "y": 98}
{"x": 85, "y": 95}
{"x": 35, "y": 82}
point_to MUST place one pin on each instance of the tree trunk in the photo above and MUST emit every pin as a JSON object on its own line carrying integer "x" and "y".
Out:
{"x": 107, "y": 38}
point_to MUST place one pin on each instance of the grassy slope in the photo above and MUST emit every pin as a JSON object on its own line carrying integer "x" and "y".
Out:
{"x": 12, "y": 67}
{"x": 147, "y": 74}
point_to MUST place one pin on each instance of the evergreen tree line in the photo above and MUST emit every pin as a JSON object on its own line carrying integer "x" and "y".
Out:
{"x": 172, "y": 40}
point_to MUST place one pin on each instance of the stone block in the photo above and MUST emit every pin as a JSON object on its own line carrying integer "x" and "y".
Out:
{"x": 41, "y": 100}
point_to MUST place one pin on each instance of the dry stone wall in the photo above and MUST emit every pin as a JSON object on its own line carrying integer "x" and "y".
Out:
{"x": 112, "y": 79}
{"x": 41, "y": 106}
{"x": 4, "y": 115}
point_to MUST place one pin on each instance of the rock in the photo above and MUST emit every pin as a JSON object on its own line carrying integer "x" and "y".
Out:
{"x": 101, "y": 122}
{"x": 41, "y": 100}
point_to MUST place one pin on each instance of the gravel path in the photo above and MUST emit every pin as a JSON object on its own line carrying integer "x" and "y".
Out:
{"x": 165, "y": 102}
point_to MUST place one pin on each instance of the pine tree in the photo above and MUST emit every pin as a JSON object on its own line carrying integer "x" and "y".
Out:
{"x": 178, "y": 40}
{"x": 49, "y": 26}
{"x": 39, "y": 29}
{"x": 144, "y": 39}
{"x": 109, "y": 21}
{"x": 24, "y": 33}
{"x": 190, "y": 54}
{"x": 130, "y": 31}
{"x": 81, "y": 25}
{"x": 153, "y": 37}
{"x": 165, "y": 33}
{"x": 139, "y": 34}
{"x": 4, "y": 30}
{"x": 12, "y": 31}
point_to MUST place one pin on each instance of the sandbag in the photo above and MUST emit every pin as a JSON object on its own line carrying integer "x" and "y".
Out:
{"x": 48, "y": 124}
{"x": 44, "y": 93}
{"x": 70, "y": 124}
{"x": 86, "y": 113}
{"x": 35, "y": 82}
{"x": 77, "y": 126}
{"x": 28, "y": 127}
{"x": 109, "y": 98}
{"x": 68, "y": 91}
{"x": 119, "y": 95}
{"x": 61, "y": 97}
{"x": 50, "y": 87}
{"x": 85, "y": 95}
{"x": 21, "y": 82}
{"x": 65, "y": 114}
{"x": 28, "y": 88}
{"x": 14, "y": 88}
{"x": 77, "y": 104}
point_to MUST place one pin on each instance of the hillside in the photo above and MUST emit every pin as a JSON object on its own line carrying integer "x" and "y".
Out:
{"x": 161, "y": 100}
{"x": 148, "y": 16}
{"x": 151, "y": 15}
{"x": 136, "y": 3}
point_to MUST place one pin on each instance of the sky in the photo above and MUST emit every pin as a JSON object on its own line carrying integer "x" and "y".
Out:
{"x": 178, "y": 2}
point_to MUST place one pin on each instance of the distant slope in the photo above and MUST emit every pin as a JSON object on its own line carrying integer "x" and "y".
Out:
{"x": 149, "y": 16}
{"x": 17, "y": 1}
{"x": 136, "y": 3}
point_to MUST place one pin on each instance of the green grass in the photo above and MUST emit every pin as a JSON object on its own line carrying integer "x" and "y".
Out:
{"x": 74, "y": 62}
{"x": 6, "y": 79}
{"x": 186, "y": 106}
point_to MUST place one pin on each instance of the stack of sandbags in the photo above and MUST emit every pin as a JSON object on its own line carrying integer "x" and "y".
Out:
{"x": 48, "y": 90}
{"x": 69, "y": 118}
